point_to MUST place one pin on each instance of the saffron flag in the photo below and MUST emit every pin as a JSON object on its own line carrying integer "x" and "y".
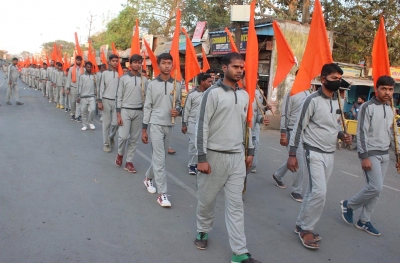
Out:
{"x": 47, "y": 60}
{"x": 380, "y": 55}
{"x": 286, "y": 58}
{"x": 316, "y": 54}
{"x": 103, "y": 58}
{"x": 135, "y": 45}
{"x": 77, "y": 46}
{"x": 92, "y": 57}
{"x": 231, "y": 41}
{"x": 119, "y": 67}
{"x": 206, "y": 66}
{"x": 54, "y": 53}
{"x": 153, "y": 58}
{"x": 192, "y": 68}
{"x": 144, "y": 65}
{"x": 175, "y": 48}
{"x": 251, "y": 62}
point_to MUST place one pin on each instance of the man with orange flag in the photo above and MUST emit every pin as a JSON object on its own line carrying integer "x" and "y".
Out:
{"x": 318, "y": 127}
{"x": 220, "y": 136}
{"x": 42, "y": 79}
{"x": 106, "y": 102}
{"x": 72, "y": 85}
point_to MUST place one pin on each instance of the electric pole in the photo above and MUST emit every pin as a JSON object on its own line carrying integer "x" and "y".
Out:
{"x": 91, "y": 21}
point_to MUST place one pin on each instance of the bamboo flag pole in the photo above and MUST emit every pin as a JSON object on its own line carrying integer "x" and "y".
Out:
{"x": 174, "y": 101}
{"x": 395, "y": 132}
{"x": 262, "y": 93}
{"x": 341, "y": 113}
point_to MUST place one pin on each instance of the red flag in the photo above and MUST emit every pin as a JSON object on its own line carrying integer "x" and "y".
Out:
{"x": 192, "y": 68}
{"x": 380, "y": 55}
{"x": 135, "y": 46}
{"x": 233, "y": 45}
{"x": 120, "y": 72}
{"x": 286, "y": 58}
{"x": 317, "y": 52}
{"x": 251, "y": 62}
{"x": 175, "y": 47}
{"x": 206, "y": 66}
{"x": 153, "y": 58}
{"x": 77, "y": 46}
{"x": 103, "y": 58}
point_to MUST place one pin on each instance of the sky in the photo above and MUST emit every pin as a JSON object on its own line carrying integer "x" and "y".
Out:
{"x": 27, "y": 24}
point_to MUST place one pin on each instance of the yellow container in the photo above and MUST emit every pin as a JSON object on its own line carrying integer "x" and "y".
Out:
{"x": 351, "y": 127}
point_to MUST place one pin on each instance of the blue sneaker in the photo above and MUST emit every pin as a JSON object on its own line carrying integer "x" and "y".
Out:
{"x": 192, "y": 170}
{"x": 368, "y": 227}
{"x": 347, "y": 212}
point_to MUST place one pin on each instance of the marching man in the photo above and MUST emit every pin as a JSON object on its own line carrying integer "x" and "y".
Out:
{"x": 86, "y": 96}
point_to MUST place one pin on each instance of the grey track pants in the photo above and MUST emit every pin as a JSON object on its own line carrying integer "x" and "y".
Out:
{"x": 57, "y": 91}
{"x": 369, "y": 195}
{"x": 191, "y": 132}
{"x": 13, "y": 88}
{"x": 320, "y": 166}
{"x": 297, "y": 185}
{"x": 110, "y": 125}
{"x": 42, "y": 86}
{"x": 75, "y": 106}
{"x": 88, "y": 105}
{"x": 49, "y": 90}
{"x": 227, "y": 172}
{"x": 160, "y": 136}
{"x": 129, "y": 132}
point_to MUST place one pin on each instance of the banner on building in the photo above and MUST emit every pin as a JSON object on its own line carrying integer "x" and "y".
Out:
{"x": 198, "y": 32}
{"x": 220, "y": 43}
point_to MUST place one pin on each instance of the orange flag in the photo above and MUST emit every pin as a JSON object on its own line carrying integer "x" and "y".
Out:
{"x": 59, "y": 54}
{"x": 153, "y": 58}
{"x": 286, "y": 58}
{"x": 120, "y": 72}
{"x": 380, "y": 54}
{"x": 175, "y": 48}
{"x": 233, "y": 45}
{"x": 77, "y": 46}
{"x": 135, "y": 45}
{"x": 144, "y": 65}
{"x": 47, "y": 60}
{"x": 206, "y": 66}
{"x": 251, "y": 62}
{"x": 317, "y": 52}
{"x": 54, "y": 52}
{"x": 103, "y": 58}
{"x": 192, "y": 68}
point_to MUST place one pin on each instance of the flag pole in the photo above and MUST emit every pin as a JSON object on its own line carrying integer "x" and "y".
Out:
{"x": 246, "y": 152}
{"x": 342, "y": 114}
{"x": 141, "y": 79}
{"x": 262, "y": 93}
{"x": 174, "y": 101}
{"x": 395, "y": 131}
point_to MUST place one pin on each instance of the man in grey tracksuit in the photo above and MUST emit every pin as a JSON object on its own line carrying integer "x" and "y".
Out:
{"x": 290, "y": 108}
{"x": 42, "y": 79}
{"x": 12, "y": 75}
{"x": 37, "y": 77}
{"x": 86, "y": 96}
{"x": 318, "y": 126}
{"x": 72, "y": 86}
{"x": 220, "y": 139}
{"x": 374, "y": 133}
{"x": 58, "y": 83}
{"x": 49, "y": 88}
{"x": 159, "y": 111}
{"x": 189, "y": 117}
{"x": 255, "y": 128}
{"x": 130, "y": 99}
{"x": 108, "y": 90}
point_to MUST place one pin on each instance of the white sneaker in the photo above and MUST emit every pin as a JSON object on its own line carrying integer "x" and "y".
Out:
{"x": 149, "y": 185}
{"x": 92, "y": 126}
{"x": 84, "y": 128}
{"x": 163, "y": 200}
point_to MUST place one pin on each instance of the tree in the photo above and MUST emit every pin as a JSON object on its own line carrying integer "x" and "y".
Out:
{"x": 25, "y": 54}
{"x": 68, "y": 47}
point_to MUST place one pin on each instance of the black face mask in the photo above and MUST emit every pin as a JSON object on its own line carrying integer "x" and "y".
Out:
{"x": 333, "y": 85}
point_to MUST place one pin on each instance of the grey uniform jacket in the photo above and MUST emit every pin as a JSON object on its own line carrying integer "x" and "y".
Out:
{"x": 12, "y": 73}
{"x": 221, "y": 121}
{"x": 37, "y": 73}
{"x": 58, "y": 78}
{"x": 50, "y": 73}
{"x": 318, "y": 124}
{"x": 290, "y": 109}
{"x": 108, "y": 85}
{"x": 158, "y": 103}
{"x": 192, "y": 105}
{"x": 69, "y": 83}
{"x": 375, "y": 120}
{"x": 43, "y": 74}
{"x": 257, "y": 115}
{"x": 129, "y": 92}
{"x": 87, "y": 86}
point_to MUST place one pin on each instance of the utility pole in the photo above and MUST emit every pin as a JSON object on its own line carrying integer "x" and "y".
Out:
{"x": 91, "y": 21}
{"x": 238, "y": 30}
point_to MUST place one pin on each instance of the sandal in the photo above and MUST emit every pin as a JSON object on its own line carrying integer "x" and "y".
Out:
{"x": 317, "y": 237}
{"x": 308, "y": 243}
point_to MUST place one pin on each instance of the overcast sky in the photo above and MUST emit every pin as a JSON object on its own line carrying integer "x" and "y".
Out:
{"x": 26, "y": 24}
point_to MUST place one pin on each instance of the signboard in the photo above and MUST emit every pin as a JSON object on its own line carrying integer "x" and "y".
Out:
{"x": 395, "y": 73}
{"x": 198, "y": 32}
{"x": 220, "y": 44}
{"x": 351, "y": 72}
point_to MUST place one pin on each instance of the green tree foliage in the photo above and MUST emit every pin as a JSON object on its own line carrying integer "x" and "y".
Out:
{"x": 68, "y": 47}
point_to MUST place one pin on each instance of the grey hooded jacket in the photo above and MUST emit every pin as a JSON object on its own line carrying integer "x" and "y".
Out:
{"x": 129, "y": 92}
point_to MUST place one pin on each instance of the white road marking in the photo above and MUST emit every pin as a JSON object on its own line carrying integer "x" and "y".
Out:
{"x": 397, "y": 190}
{"x": 350, "y": 174}
{"x": 275, "y": 149}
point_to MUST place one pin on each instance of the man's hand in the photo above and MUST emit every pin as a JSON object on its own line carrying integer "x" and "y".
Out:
{"x": 204, "y": 168}
{"x": 397, "y": 166}
{"x": 184, "y": 129}
{"x": 268, "y": 107}
{"x": 78, "y": 100}
{"x": 68, "y": 91}
{"x": 366, "y": 164}
{"x": 265, "y": 121}
{"x": 174, "y": 112}
{"x": 283, "y": 141}
{"x": 119, "y": 119}
{"x": 292, "y": 164}
{"x": 9, "y": 83}
{"x": 100, "y": 105}
{"x": 354, "y": 114}
{"x": 145, "y": 137}
{"x": 347, "y": 138}
{"x": 249, "y": 161}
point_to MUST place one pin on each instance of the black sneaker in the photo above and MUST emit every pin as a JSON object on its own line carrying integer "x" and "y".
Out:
{"x": 79, "y": 119}
{"x": 66, "y": 110}
{"x": 278, "y": 182}
{"x": 243, "y": 258}
{"x": 201, "y": 240}
{"x": 347, "y": 212}
{"x": 297, "y": 197}
{"x": 73, "y": 118}
{"x": 192, "y": 170}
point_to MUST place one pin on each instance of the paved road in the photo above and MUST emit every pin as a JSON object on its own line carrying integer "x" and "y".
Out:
{"x": 62, "y": 199}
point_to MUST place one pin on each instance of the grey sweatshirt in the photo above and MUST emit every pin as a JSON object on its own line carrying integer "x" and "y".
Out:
{"x": 158, "y": 103}
{"x": 12, "y": 73}
{"x": 129, "y": 91}
{"x": 257, "y": 115}
{"x": 69, "y": 83}
{"x": 58, "y": 78}
{"x": 43, "y": 74}
{"x": 221, "y": 122}
{"x": 290, "y": 108}
{"x": 374, "y": 133}
{"x": 318, "y": 124}
{"x": 87, "y": 86}
{"x": 108, "y": 85}
{"x": 50, "y": 73}
{"x": 192, "y": 104}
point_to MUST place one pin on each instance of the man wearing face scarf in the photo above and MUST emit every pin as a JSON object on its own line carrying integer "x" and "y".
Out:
{"x": 318, "y": 126}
